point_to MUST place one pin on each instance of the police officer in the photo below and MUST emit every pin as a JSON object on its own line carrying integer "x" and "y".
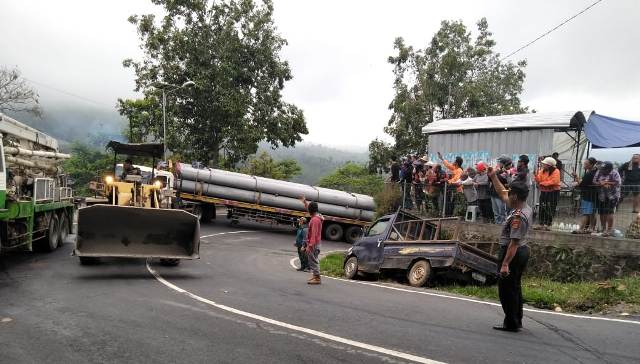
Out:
{"x": 514, "y": 252}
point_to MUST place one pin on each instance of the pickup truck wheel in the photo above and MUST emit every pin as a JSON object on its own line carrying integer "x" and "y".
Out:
{"x": 169, "y": 262}
{"x": 351, "y": 268}
{"x": 352, "y": 234}
{"x": 419, "y": 273}
{"x": 334, "y": 232}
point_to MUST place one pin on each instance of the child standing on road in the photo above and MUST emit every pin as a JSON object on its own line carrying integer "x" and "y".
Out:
{"x": 301, "y": 238}
{"x": 314, "y": 236}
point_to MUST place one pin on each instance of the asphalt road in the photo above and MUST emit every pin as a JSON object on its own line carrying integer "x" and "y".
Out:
{"x": 243, "y": 302}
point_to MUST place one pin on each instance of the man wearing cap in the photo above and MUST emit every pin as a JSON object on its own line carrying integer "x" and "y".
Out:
{"x": 481, "y": 181}
{"x": 514, "y": 252}
{"x": 548, "y": 179}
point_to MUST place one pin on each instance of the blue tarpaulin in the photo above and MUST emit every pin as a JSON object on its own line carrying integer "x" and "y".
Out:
{"x": 607, "y": 132}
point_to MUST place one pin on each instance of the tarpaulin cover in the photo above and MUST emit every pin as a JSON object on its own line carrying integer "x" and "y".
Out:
{"x": 607, "y": 132}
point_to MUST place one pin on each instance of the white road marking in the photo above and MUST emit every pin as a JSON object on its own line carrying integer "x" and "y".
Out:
{"x": 426, "y": 293}
{"x": 229, "y": 232}
{"x": 358, "y": 344}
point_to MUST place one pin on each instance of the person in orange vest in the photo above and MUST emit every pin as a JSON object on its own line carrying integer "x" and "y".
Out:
{"x": 548, "y": 180}
{"x": 453, "y": 183}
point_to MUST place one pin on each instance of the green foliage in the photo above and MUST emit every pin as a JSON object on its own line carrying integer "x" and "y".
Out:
{"x": 353, "y": 178}
{"x": 388, "y": 200}
{"x": 577, "y": 296}
{"x": 145, "y": 119}
{"x": 453, "y": 77}
{"x": 86, "y": 164}
{"x": 332, "y": 265}
{"x": 263, "y": 165}
{"x": 380, "y": 154}
{"x": 230, "y": 50}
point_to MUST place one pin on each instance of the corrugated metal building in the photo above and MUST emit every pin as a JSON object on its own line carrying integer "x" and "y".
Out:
{"x": 487, "y": 138}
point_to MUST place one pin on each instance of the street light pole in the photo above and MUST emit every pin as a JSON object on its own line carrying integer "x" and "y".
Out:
{"x": 164, "y": 112}
{"x": 164, "y": 125}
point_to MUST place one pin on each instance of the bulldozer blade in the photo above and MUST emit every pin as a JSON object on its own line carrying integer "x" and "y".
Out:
{"x": 137, "y": 232}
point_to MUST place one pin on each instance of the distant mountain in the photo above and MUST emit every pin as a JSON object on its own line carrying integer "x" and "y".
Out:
{"x": 316, "y": 160}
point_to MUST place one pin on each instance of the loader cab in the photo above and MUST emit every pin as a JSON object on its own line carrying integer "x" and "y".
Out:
{"x": 142, "y": 189}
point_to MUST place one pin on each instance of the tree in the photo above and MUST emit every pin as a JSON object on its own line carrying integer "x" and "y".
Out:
{"x": 263, "y": 165}
{"x": 145, "y": 119}
{"x": 16, "y": 95}
{"x": 230, "y": 49}
{"x": 453, "y": 77}
{"x": 85, "y": 165}
{"x": 380, "y": 153}
{"x": 353, "y": 178}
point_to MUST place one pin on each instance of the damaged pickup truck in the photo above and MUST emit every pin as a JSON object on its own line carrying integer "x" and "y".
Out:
{"x": 405, "y": 242}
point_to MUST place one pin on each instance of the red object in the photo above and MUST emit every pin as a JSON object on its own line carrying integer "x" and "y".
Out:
{"x": 481, "y": 167}
{"x": 315, "y": 230}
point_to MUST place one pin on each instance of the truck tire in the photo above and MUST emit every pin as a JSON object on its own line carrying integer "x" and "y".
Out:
{"x": 419, "y": 273}
{"x": 333, "y": 232}
{"x": 169, "y": 262}
{"x": 64, "y": 229}
{"x": 351, "y": 268}
{"x": 50, "y": 241}
{"x": 353, "y": 234}
{"x": 197, "y": 210}
{"x": 208, "y": 213}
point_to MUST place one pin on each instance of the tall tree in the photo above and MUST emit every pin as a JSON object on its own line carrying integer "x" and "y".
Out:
{"x": 16, "y": 95}
{"x": 263, "y": 165}
{"x": 455, "y": 76}
{"x": 230, "y": 49}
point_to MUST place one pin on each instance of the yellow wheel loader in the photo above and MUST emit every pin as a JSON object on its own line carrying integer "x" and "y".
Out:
{"x": 131, "y": 223}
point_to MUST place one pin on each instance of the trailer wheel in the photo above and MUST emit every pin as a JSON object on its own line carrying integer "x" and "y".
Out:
{"x": 208, "y": 212}
{"x": 197, "y": 210}
{"x": 351, "y": 268}
{"x": 353, "y": 233}
{"x": 64, "y": 229}
{"x": 50, "y": 241}
{"x": 334, "y": 232}
{"x": 419, "y": 273}
{"x": 169, "y": 262}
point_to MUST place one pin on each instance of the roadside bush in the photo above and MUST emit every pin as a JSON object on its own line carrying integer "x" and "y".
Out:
{"x": 388, "y": 200}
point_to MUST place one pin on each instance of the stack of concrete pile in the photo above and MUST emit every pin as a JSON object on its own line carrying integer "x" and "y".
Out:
{"x": 273, "y": 193}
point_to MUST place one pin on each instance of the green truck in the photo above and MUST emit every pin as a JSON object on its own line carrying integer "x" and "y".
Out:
{"x": 37, "y": 207}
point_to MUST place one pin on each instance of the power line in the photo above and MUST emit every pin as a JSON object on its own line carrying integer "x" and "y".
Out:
{"x": 551, "y": 30}
{"x": 86, "y": 99}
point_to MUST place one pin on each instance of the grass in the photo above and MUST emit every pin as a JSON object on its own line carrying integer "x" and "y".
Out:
{"x": 617, "y": 295}
{"x": 331, "y": 265}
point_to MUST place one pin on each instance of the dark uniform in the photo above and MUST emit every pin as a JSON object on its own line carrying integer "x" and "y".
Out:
{"x": 509, "y": 287}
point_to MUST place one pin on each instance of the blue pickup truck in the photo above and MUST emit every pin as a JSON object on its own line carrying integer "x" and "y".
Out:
{"x": 403, "y": 241}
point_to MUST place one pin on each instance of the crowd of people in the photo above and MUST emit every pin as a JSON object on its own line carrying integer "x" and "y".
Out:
{"x": 447, "y": 188}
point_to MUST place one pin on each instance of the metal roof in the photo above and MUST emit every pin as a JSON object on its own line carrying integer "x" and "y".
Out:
{"x": 551, "y": 120}
{"x": 137, "y": 149}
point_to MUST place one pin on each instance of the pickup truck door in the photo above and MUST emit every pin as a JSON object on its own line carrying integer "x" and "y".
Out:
{"x": 371, "y": 254}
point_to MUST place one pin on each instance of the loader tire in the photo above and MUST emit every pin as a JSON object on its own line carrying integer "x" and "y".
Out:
{"x": 169, "y": 262}
{"x": 419, "y": 273}
{"x": 89, "y": 260}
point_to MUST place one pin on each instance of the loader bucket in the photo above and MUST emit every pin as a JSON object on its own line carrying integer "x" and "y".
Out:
{"x": 137, "y": 232}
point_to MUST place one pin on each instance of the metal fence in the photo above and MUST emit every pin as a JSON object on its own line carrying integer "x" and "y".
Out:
{"x": 566, "y": 212}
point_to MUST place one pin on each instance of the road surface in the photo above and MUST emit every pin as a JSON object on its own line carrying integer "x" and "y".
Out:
{"x": 243, "y": 302}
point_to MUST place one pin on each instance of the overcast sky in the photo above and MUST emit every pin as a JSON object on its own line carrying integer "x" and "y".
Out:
{"x": 338, "y": 52}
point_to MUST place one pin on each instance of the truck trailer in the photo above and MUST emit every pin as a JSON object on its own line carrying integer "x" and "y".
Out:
{"x": 271, "y": 201}
{"x": 36, "y": 206}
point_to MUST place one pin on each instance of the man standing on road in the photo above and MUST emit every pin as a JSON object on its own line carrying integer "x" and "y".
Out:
{"x": 514, "y": 252}
{"x": 314, "y": 236}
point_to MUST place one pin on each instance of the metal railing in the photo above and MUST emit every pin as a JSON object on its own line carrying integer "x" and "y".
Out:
{"x": 43, "y": 189}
